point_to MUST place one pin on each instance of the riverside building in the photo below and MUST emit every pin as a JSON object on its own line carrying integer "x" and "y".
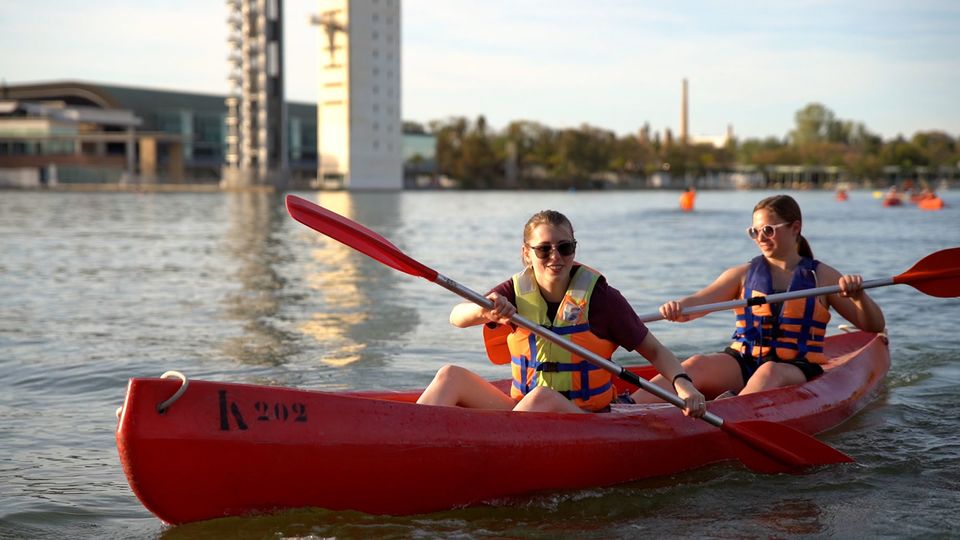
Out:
{"x": 84, "y": 132}
{"x": 358, "y": 114}
{"x": 81, "y": 132}
{"x": 73, "y": 132}
{"x": 256, "y": 108}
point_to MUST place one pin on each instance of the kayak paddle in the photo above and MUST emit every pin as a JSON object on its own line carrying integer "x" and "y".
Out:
{"x": 937, "y": 274}
{"x": 763, "y": 446}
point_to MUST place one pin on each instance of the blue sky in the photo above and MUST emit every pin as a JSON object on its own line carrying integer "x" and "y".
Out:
{"x": 615, "y": 64}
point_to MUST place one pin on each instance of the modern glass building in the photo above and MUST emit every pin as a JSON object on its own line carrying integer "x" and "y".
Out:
{"x": 106, "y": 133}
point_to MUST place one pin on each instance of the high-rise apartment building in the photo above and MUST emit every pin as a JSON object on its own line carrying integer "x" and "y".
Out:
{"x": 359, "y": 127}
{"x": 256, "y": 109}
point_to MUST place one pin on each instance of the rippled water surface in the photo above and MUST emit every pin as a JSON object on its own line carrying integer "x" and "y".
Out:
{"x": 96, "y": 288}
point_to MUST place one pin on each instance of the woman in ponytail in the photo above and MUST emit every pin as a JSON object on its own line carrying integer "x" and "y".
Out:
{"x": 773, "y": 344}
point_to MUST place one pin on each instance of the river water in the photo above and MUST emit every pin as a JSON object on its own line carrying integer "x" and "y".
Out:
{"x": 96, "y": 288}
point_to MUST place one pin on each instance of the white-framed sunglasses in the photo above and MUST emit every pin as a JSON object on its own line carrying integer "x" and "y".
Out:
{"x": 767, "y": 231}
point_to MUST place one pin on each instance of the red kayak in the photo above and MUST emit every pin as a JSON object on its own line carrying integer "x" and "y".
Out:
{"x": 225, "y": 449}
{"x": 892, "y": 200}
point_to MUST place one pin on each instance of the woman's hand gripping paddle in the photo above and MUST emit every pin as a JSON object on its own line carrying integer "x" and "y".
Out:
{"x": 763, "y": 446}
{"x": 937, "y": 274}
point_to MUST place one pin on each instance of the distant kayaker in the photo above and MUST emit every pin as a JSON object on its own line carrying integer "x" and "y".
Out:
{"x": 774, "y": 344}
{"x": 893, "y": 197}
{"x": 575, "y": 301}
{"x": 687, "y": 199}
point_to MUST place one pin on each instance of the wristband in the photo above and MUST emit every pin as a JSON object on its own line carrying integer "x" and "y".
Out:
{"x": 680, "y": 376}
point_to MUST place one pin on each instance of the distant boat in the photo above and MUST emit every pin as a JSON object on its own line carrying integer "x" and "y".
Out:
{"x": 842, "y": 195}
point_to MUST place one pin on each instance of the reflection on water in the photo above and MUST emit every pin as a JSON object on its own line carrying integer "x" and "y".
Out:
{"x": 346, "y": 301}
{"x": 356, "y": 294}
{"x": 792, "y": 517}
{"x": 336, "y": 283}
{"x": 251, "y": 240}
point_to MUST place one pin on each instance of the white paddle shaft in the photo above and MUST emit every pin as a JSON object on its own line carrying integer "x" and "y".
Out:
{"x": 769, "y": 299}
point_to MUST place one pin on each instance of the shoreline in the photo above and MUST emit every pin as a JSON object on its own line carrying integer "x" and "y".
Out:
{"x": 217, "y": 188}
{"x": 140, "y": 188}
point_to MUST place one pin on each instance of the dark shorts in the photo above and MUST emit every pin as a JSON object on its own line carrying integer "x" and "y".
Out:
{"x": 748, "y": 364}
{"x": 620, "y": 399}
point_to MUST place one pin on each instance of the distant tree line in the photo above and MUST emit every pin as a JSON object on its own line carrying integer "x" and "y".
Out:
{"x": 530, "y": 154}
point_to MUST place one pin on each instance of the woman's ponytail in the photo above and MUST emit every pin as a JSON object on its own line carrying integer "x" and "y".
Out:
{"x": 803, "y": 247}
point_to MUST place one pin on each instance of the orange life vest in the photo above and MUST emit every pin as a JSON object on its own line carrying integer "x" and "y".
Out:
{"x": 539, "y": 362}
{"x": 794, "y": 331}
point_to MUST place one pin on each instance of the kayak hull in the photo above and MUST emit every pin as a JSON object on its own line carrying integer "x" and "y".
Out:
{"x": 893, "y": 201}
{"x": 225, "y": 449}
{"x": 933, "y": 203}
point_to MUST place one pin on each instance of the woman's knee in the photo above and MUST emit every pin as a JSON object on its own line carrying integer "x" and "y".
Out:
{"x": 450, "y": 386}
{"x": 775, "y": 374}
{"x": 765, "y": 372}
{"x": 696, "y": 361}
{"x": 711, "y": 366}
{"x": 540, "y": 395}
{"x": 714, "y": 374}
{"x": 544, "y": 399}
{"x": 450, "y": 373}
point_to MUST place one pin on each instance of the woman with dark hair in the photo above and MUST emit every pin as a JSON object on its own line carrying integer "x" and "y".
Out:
{"x": 774, "y": 344}
{"x": 575, "y": 301}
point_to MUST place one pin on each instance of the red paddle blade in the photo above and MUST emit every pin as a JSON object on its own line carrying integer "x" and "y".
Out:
{"x": 355, "y": 235}
{"x": 768, "y": 447}
{"x": 937, "y": 274}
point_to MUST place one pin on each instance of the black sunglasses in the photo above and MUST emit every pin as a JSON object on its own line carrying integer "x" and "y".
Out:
{"x": 565, "y": 249}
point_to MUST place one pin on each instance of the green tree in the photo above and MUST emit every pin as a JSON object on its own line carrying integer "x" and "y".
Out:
{"x": 748, "y": 150}
{"x": 480, "y": 163}
{"x": 938, "y": 147}
{"x": 450, "y": 138}
{"x": 532, "y": 144}
{"x": 815, "y": 123}
{"x": 902, "y": 153}
{"x": 477, "y": 155}
{"x": 413, "y": 127}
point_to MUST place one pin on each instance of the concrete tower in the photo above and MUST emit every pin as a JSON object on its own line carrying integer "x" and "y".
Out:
{"x": 684, "y": 127}
{"x": 359, "y": 127}
{"x": 256, "y": 107}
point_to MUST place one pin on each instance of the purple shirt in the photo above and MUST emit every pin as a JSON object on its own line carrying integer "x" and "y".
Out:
{"x": 610, "y": 316}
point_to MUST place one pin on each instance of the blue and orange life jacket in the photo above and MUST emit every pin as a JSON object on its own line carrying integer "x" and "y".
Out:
{"x": 539, "y": 362}
{"x": 794, "y": 331}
